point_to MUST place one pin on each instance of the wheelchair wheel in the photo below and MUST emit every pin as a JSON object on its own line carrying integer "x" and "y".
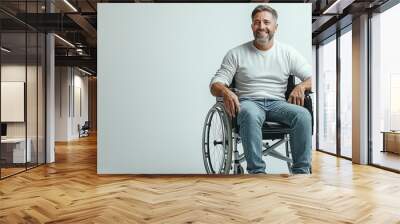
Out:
{"x": 217, "y": 141}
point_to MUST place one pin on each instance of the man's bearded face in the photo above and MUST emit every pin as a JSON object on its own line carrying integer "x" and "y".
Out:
{"x": 264, "y": 27}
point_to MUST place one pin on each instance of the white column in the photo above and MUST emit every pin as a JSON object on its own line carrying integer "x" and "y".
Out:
{"x": 50, "y": 91}
{"x": 50, "y": 110}
{"x": 360, "y": 90}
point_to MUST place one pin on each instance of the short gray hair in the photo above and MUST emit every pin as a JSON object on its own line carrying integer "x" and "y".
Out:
{"x": 266, "y": 8}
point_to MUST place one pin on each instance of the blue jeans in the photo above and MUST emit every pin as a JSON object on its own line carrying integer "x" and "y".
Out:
{"x": 253, "y": 113}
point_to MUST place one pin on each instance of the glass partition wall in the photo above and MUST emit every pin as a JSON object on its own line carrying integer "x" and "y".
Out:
{"x": 22, "y": 88}
{"x": 13, "y": 90}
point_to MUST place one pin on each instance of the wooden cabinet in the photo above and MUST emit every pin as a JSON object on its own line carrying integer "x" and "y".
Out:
{"x": 391, "y": 142}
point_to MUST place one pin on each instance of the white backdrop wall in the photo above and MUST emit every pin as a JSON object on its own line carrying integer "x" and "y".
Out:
{"x": 155, "y": 62}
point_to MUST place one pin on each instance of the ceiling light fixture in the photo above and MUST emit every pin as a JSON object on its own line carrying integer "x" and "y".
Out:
{"x": 65, "y": 41}
{"x": 79, "y": 51}
{"x": 70, "y": 5}
{"x": 5, "y": 50}
{"x": 84, "y": 71}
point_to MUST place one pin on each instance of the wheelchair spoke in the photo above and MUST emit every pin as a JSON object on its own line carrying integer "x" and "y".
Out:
{"x": 217, "y": 137}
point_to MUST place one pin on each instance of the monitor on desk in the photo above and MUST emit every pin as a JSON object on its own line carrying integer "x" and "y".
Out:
{"x": 3, "y": 130}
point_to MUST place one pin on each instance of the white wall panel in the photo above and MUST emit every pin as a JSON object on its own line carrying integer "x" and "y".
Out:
{"x": 155, "y": 62}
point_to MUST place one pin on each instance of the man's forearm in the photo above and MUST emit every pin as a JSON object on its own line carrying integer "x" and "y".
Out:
{"x": 306, "y": 84}
{"x": 219, "y": 89}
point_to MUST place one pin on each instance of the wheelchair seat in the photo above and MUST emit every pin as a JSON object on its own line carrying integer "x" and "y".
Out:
{"x": 274, "y": 130}
{"x": 270, "y": 130}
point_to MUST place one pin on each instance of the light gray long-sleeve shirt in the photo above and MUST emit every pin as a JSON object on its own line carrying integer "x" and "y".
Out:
{"x": 262, "y": 73}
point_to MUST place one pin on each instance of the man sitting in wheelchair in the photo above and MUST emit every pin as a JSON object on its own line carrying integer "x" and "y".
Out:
{"x": 260, "y": 69}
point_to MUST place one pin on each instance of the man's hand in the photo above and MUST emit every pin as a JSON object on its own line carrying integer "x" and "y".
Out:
{"x": 297, "y": 95}
{"x": 231, "y": 102}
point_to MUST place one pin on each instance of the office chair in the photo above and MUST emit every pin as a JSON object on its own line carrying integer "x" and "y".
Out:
{"x": 84, "y": 130}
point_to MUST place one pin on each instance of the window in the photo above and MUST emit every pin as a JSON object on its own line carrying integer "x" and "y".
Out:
{"x": 346, "y": 94}
{"x": 327, "y": 97}
{"x": 385, "y": 89}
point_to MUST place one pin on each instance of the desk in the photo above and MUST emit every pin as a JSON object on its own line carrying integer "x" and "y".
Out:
{"x": 13, "y": 150}
{"x": 391, "y": 141}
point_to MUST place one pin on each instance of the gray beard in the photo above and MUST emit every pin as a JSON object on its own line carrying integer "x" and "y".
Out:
{"x": 262, "y": 41}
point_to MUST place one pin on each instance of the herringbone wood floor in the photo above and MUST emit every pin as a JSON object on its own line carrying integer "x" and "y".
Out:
{"x": 70, "y": 191}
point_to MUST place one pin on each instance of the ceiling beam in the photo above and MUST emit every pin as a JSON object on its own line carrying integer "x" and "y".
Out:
{"x": 337, "y": 7}
{"x": 85, "y": 61}
{"x": 83, "y": 23}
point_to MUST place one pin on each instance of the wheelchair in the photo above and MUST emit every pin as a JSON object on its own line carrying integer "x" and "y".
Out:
{"x": 221, "y": 138}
